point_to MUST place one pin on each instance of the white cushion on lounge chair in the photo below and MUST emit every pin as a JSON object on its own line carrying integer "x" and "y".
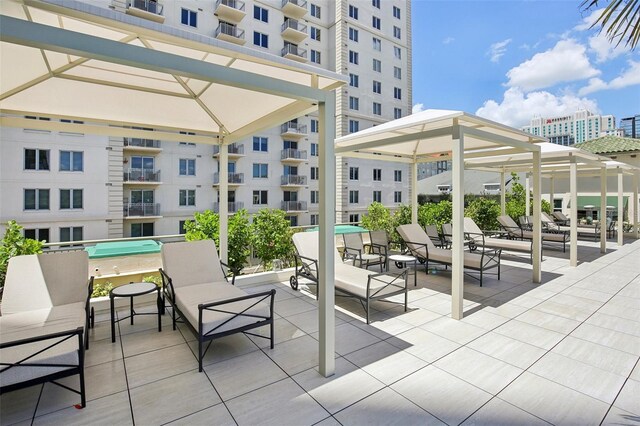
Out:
{"x": 354, "y": 280}
{"x": 178, "y": 260}
{"x": 492, "y": 242}
{"x": 189, "y": 297}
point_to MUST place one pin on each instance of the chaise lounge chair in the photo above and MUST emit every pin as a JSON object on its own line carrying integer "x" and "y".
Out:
{"x": 421, "y": 246}
{"x": 473, "y": 233}
{"x": 45, "y": 320}
{"x": 197, "y": 289}
{"x": 359, "y": 283}
{"x": 509, "y": 225}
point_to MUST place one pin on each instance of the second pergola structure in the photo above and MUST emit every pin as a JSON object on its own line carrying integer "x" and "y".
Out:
{"x": 438, "y": 135}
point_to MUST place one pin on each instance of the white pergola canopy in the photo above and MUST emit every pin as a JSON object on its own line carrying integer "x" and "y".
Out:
{"x": 436, "y": 135}
{"x": 123, "y": 76}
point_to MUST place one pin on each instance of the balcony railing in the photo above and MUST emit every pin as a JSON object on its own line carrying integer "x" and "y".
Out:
{"x": 234, "y": 4}
{"x": 141, "y": 209}
{"x": 232, "y": 206}
{"x": 299, "y": 3}
{"x": 293, "y": 154}
{"x": 141, "y": 143}
{"x": 293, "y": 180}
{"x": 292, "y": 127}
{"x": 229, "y": 30}
{"x": 233, "y": 149}
{"x": 294, "y": 206}
{"x": 150, "y": 6}
{"x": 234, "y": 178}
{"x": 141, "y": 175}
{"x": 294, "y": 50}
{"x": 293, "y": 25}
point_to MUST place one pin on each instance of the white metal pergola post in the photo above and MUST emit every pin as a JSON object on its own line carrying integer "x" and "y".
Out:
{"x": 620, "y": 207}
{"x": 527, "y": 200}
{"x": 573, "y": 213}
{"x": 603, "y": 210}
{"x": 414, "y": 192}
{"x": 223, "y": 194}
{"x": 551, "y": 193}
{"x": 457, "y": 220}
{"x": 503, "y": 194}
{"x": 326, "y": 274}
{"x": 537, "y": 217}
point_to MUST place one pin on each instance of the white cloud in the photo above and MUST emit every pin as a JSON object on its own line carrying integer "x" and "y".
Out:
{"x": 448, "y": 40}
{"x": 566, "y": 61}
{"x": 588, "y": 20}
{"x": 517, "y": 108}
{"x": 497, "y": 50}
{"x": 629, "y": 77}
{"x": 605, "y": 49}
{"x": 417, "y": 108}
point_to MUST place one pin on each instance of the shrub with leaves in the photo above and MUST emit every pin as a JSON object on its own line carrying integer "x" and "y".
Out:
{"x": 484, "y": 212}
{"x": 272, "y": 237}
{"x": 240, "y": 236}
{"x": 156, "y": 279}
{"x": 15, "y": 244}
{"x": 435, "y": 213}
{"x": 102, "y": 289}
{"x": 402, "y": 216}
{"x": 378, "y": 218}
{"x": 205, "y": 226}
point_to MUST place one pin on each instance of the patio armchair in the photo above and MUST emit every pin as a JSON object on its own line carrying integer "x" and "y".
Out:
{"x": 420, "y": 246}
{"x": 196, "y": 287}
{"x": 447, "y": 234}
{"x": 515, "y": 232}
{"x": 379, "y": 242}
{"x": 361, "y": 284}
{"x": 45, "y": 320}
{"x": 474, "y": 234}
{"x": 355, "y": 247}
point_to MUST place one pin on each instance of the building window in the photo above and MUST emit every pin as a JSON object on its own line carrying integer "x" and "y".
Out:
{"x": 377, "y": 108}
{"x": 397, "y": 175}
{"x": 376, "y": 3}
{"x": 354, "y": 126}
{"x": 260, "y": 198}
{"x": 315, "y": 219}
{"x": 314, "y": 125}
{"x": 181, "y": 229}
{"x": 260, "y": 170}
{"x": 261, "y": 14}
{"x": 36, "y": 199}
{"x": 396, "y": 12}
{"x": 315, "y": 33}
{"x": 70, "y": 199}
{"x": 353, "y": 197}
{"x": 315, "y": 56}
{"x": 142, "y": 229}
{"x": 353, "y": 57}
{"x": 377, "y": 196}
{"x": 397, "y": 33}
{"x": 375, "y": 22}
{"x": 377, "y": 87}
{"x": 353, "y": 173}
{"x": 353, "y": 12}
{"x": 354, "y": 218}
{"x": 71, "y": 233}
{"x": 397, "y": 113}
{"x": 187, "y": 197}
{"x": 397, "y": 73}
{"x": 354, "y": 80}
{"x": 71, "y": 161}
{"x": 315, "y": 11}
{"x": 377, "y": 44}
{"x": 397, "y": 93}
{"x": 36, "y": 159}
{"x": 397, "y": 52}
{"x": 314, "y": 149}
{"x": 557, "y": 204}
{"x": 377, "y": 65}
{"x": 314, "y": 173}
{"x": 397, "y": 196}
{"x": 189, "y": 17}
{"x": 187, "y": 167}
{"x": 353, "y": 34}
{"x": 315, "y": 197}
{"x": 260, "y": 39}
{"x": 354, "y": 103}
{"x": 40, "y": 234}
{"x": 293, "y": 220}
{"x": 377, "y": 174}
{"x": 260, "y": 144}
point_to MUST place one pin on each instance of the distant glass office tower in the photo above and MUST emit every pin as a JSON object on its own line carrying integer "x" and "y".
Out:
{"x": 631, "y": 126}
{"x": 570, "y": 129}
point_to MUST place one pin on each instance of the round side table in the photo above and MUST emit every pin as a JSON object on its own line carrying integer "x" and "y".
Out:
{"x": 132, "y": 290}
{"x": 403, "y": 258}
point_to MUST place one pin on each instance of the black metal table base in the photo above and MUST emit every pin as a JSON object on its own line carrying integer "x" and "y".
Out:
{"x": 132, "y": 312}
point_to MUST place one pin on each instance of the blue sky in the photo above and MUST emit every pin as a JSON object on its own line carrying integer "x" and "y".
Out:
{"x": 510, "y": 60}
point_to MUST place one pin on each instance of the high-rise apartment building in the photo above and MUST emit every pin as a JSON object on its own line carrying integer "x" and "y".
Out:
{"x": 630, "y": 127}
{"x": 578, "y": 127}
{"x": 56, "y": 182}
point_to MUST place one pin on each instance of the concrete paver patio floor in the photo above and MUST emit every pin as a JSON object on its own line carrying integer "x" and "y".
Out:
{"x": 563, "y": 352}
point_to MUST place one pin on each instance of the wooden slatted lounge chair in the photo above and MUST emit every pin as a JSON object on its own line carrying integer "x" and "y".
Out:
{"x": 197, "y": 289}
{"x": 45, "y": 320}
{"x": 362, "y": 284}
{"x": 420, "y": 245}
{"x": 473, "y": 233}
{"x": 354, "y": 246}
{"x": 509, "y": 225}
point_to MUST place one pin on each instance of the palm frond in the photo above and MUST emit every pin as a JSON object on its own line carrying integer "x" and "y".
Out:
{"x": 620, "y": 20}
